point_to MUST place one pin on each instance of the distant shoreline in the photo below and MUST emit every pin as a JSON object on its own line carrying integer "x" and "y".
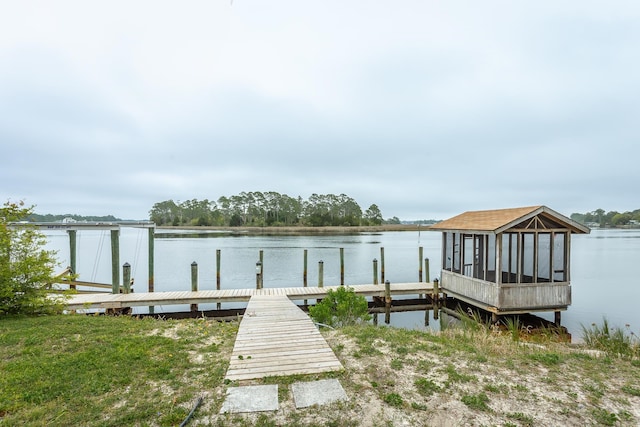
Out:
{"x": 300, "y": 230}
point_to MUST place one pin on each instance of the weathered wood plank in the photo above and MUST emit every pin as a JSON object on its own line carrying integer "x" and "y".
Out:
{"x": 81, "y": 301}
{"x": 276, "y": 338}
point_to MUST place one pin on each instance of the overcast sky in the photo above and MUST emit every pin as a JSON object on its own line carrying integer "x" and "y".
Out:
{"x": 425, "y": 108}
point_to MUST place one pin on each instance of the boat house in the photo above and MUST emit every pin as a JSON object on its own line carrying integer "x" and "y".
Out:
{"x": 509, "y": 261}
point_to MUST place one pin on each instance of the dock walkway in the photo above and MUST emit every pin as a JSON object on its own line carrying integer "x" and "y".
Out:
{"x": 277, "y": 338}
{"x": 144, "y": 299}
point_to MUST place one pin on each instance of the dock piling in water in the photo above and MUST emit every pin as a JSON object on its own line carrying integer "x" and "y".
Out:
{"x": 115, "y": 261}
{"x": 151, "y": 239}
{"x": 304, "y": 272}
{"x": 375, "y": 271}
{"x": 194, "y": 282}
{"x": 341, "y": 266}
{"x": 126, "y": 277}
{"x": 420, "y": 252}
{"x": 387, "y": 302}
{"x": 382, "y": 264}
{"x": 218, "y": 274}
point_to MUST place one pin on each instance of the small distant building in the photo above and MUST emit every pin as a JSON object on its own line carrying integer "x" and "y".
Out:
{"x": 509, "y": 261}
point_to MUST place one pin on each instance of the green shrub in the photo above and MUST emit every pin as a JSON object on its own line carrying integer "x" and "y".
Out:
{"x": 341, "y": 307}
{"x": 613, "y": 341}
{"x": 26, "y": 268}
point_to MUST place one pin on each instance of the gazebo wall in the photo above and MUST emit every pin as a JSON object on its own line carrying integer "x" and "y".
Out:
{"x": 507, "y": 297}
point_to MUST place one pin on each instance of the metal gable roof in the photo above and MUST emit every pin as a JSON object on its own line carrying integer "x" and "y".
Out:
{"x": 500, "y": 220}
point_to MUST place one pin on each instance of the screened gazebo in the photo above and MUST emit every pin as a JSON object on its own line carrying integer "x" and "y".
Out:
{"x": 509, "y": 261}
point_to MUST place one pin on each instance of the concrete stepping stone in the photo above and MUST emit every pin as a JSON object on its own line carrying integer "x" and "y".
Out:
{"x": 320, "y": 392}
{"x": 253, "y": 398}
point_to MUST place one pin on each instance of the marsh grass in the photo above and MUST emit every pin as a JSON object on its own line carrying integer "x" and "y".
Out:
{"x": 615, "y": 341}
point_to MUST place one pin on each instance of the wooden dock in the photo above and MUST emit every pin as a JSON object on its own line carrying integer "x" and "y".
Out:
{"x": 116, "y": 301}
{"x": 277, "y": 338}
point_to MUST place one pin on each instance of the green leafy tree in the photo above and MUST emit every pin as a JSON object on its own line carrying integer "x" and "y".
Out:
{"x": 26, "y": 268}
{"x": 394, "y": 220}
{"x": 341, "y": 307}
{"x": 373, "y": 216}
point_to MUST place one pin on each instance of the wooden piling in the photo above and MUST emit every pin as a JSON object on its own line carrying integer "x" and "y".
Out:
{"x": 194, "y": 282}
{"x": 219, "y": 305}
{"x": 320, "y": 274}
{"x": 258, "y": 271}
{"x": 557, "y": 317}
{"x": 304, "y": 272}
{"x": 151, "y": 264}
{"x": 435, "y": 298}
{"x": 387, "y": 302}
{"x": 375, "y": 271}
{"x": 304, "y": 269}
{"x": 72, "y": 253}
{"x": 420, "y": 252}
{"x": 427, "y": 276}
{"x": 382, "y": 264}
{"x": 115, "y": 261}
{"x": 261, "y": 268}
{"x": 126, "y": 278}
{"x": 341, "y": 266}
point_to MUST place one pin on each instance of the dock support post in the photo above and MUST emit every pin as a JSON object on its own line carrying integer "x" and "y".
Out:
{"x": 72, "y": 253}
{"x": 126, "y": 277}
{"x": 382, "y": 264}
{"x": 115, "y": 261}
{"x": 152, "y": 236}
{"x": 420, "y": 252}
{"x": 341, "y": 266}
{"x": 375, "y": 271}
{"x": 304, "y": 272}
{"x": 427, "y": 276}
{"x": 219, "y": 305}
{"x": 387, "y": 302}
{"x": 435, "y": 298}
{"x": 320, "y": 277}
{"x": 194, "y": 282}
{"x": 557, "y": 317}
{"x": 261, "y": 269}
{"x": 258, "y": 274}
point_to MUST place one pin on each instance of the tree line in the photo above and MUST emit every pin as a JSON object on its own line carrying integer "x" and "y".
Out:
{"x": 34, "y": 217}
{"x": 602, "y": 218}
{"x": 267, "y": 209}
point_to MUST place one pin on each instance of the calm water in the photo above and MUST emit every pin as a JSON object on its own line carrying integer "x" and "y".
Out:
{"x": 604, "y": 280}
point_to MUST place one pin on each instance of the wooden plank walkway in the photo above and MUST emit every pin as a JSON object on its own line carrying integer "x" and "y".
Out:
{"x": 277, "y": 338}
{"x": 87, "y": 301}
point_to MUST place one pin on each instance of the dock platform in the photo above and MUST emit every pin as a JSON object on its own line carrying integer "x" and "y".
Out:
{"x": 116, "y": 301}
{"x": 277, "y": 338}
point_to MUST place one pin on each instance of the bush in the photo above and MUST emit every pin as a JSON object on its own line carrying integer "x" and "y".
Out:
{"x": 26, "y": 268}
{"x": 341, "y": 307}
{"x": 612, "y": 340}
